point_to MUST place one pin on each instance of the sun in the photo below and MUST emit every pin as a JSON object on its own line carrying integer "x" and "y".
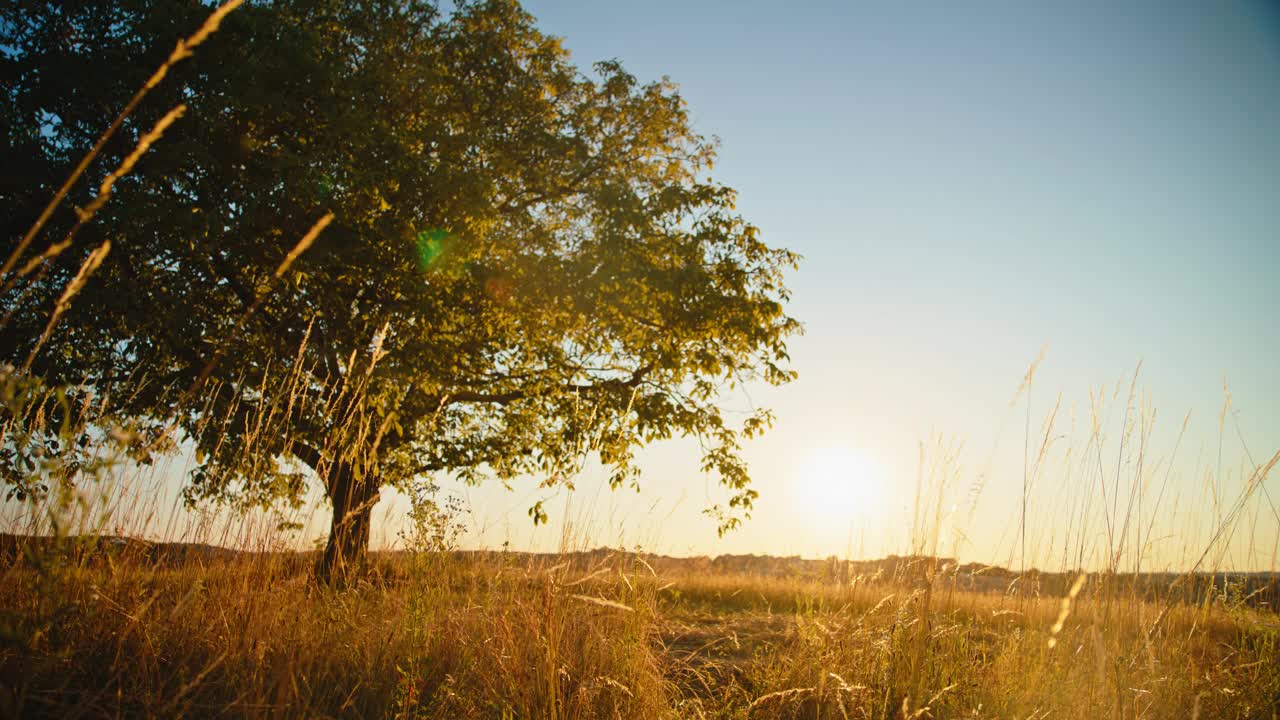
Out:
{"x": 839, "y": 485}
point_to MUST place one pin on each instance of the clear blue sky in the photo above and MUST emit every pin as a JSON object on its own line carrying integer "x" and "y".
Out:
{"x": 970, "y": 182}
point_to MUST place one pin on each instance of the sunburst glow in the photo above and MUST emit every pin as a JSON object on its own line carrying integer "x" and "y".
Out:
{"x": 839, "y": 485}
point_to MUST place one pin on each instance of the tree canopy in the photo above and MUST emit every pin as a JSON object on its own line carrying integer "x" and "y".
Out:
{"x": 527, "y": 264}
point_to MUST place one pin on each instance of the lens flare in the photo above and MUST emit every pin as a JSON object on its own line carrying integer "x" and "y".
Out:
{"x": 430, "y": 245}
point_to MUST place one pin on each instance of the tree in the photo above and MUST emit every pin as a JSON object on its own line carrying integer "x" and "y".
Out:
{"x": 527, "y": 264}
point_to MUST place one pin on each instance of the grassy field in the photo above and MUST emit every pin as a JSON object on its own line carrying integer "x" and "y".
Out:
{"x": 602, "y": 635}
{"x": 94, "y": 626}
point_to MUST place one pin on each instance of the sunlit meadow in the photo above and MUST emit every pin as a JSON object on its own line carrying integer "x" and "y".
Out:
{"x": 392, "y": 360}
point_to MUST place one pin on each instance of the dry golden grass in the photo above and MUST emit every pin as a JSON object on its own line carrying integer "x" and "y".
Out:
{"x": 454, "y": 636}
{"x": 256, "y": 638}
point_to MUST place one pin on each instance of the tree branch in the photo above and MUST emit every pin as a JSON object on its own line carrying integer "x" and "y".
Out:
{"x": 307, "y": 454}
{"x": 510, "y": 396}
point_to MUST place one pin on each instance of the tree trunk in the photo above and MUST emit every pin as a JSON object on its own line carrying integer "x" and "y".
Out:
{"x": 353, "y": 500}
